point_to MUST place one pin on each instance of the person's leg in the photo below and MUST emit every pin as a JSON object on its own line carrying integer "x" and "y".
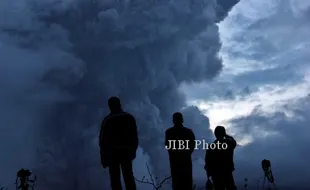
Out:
{"x": 115, "y": 176}
{"x": 174, "y": 180}
{"x": 209, "y": 185}
{"x": 177, "y": 181}
{"x": 230, "y": 182}
{"x": 182, "y": 178}
{"x": 218, "y": 182}
{"x": 174, "y": 176}
{"x": 128, "y": 176}
{"x": 187, "y": 175}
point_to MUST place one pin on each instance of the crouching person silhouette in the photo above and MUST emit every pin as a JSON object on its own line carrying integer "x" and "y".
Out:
{"x": 118, "y": 145}
{"x": 180, "y": 143}
{"x": 219, "y": 162}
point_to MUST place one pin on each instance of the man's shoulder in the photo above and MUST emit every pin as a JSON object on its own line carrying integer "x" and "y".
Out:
{"x": 187, "y": 129}
{"x": 230, "y": 140}
{"x": 183, "y": 130}
{"x": 169, "y": 130}
{"x": 222, "y": 141}
{"x": 120, "y": 114}
{"x": 128, "y": 114}
{"x": 106, "y": 118}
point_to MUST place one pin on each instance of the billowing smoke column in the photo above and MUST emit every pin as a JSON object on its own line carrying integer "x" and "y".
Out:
{"x": 65, "y": 58}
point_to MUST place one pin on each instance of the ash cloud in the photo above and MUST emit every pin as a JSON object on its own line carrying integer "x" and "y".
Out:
{"x": 61, "y": 60}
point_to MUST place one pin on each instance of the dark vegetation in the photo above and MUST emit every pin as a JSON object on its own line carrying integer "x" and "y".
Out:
{"x": 25, "y": 180}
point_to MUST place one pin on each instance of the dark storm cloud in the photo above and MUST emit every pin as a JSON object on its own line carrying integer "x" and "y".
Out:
{"x": 287, "y": 145}
{"x": 63, "y": 59}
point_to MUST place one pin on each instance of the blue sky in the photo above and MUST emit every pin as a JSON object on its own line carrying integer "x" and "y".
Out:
{"x": 263, "y": 90}
{"x": 266, "y": 62}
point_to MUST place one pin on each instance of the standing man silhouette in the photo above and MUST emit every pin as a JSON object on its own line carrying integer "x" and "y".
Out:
{"x": 118, "y": 143}
{"x": 219, "y": 162}
{"x": 180, "y": 142}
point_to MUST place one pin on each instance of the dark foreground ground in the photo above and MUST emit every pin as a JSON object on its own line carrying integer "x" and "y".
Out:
{"x": 279, "y": 187}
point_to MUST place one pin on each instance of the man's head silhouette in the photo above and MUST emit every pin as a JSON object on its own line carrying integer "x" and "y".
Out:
{"x": 114, "y": 104}
{"x": 177, "y": 118}
{"x": 220, "y": 132}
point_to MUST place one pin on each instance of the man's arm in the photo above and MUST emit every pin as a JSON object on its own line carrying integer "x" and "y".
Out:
{"x": 102, "y": 143}
{"x": 167, "y": 139}
{"x": 231, "y": 141}
{"x": 192, "y": 143}
{"x": 135, "y": 136}
{"x": 207, "y": 162}
{"x": 102, "y": 133}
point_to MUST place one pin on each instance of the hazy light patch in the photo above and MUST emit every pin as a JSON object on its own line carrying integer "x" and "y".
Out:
{"x": 246, "y": 139}
{"x": 267, "y": 99}
{"x": 249, "y": 138}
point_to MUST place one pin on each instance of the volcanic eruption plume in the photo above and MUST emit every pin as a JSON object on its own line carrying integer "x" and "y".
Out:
{"x": 61, "y": 60}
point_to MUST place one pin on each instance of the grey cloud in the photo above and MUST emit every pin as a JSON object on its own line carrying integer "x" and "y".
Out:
{"x": 287, "y": 147}
{"x": 65, "y": 58}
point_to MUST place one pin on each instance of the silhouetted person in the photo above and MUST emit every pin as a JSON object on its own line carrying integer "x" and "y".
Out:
{"x": 118, "y": 145}
{"x": 180, "y": 157}
{"x": 220, "y": 162}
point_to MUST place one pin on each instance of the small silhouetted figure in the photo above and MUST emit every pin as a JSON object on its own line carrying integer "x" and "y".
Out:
{"x": 118, "y": 143}
{"x": 219, "y": 162}
{"x": 180, "y": 156}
